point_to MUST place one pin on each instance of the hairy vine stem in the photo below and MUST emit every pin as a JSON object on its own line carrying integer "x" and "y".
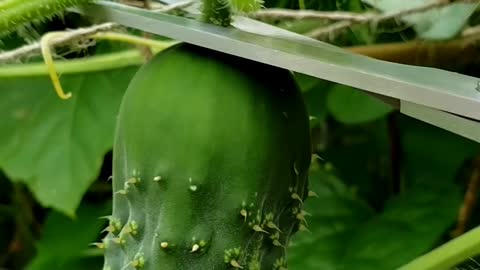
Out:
{"x": 16, "y": 13}
{"x": 216, "y": 12}
{"x": 95, "y": 63}
{"x": 219, "y": 12}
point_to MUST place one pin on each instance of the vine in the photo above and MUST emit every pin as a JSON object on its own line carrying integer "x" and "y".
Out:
{"x": 96, "y": 63}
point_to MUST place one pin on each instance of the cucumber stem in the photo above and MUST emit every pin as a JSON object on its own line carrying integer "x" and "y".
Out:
{"x": 216, "y": 12}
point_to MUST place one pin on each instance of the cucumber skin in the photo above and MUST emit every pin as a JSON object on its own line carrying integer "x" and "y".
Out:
{"x": 210, "y": 150}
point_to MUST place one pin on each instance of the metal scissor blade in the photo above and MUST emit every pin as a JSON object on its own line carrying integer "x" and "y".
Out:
{"x": 445, "y": 99}
{"x": 467, "y": 128}
{"x": 433, "y": 88}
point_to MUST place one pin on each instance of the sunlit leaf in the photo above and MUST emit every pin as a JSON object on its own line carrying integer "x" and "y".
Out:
{"x": 346, "y": 234}
{"x": 55, "y": 146}
{"x": 352, "y": 106}
{"x": 442, "y": 23}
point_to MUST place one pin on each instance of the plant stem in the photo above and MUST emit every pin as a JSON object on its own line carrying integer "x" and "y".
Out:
{"x": 449, "y": 254}
{"x": 470, "y": 199}
{"x": 155, "y": 45}
{"x": 89, "y": 64}
{"x": 301, "y": 4}
{"x": 81, "y": 65}
{"x": 216, "y": 12}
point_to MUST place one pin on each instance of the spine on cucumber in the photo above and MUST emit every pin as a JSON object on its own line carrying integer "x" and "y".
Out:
{"x": 210, "y": 165}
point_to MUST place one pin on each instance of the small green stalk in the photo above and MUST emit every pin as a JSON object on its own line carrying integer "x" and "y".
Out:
{"x": 449, "y": 254}
{"x": 301, "y": 4}
{"x": 219, "y": 12}
{"x": 216, "y": 12}
{"x": 75, "y": 66}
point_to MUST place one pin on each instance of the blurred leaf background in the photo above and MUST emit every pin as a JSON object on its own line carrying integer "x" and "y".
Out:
{"x": 389, "y": 187}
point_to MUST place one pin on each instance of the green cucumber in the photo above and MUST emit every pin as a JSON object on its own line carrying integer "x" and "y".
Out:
{"x": 211, "y": 158}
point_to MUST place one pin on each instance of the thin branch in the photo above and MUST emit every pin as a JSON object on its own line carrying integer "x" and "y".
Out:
{"x": 330, "y": 31}
{"x": 157, "y": 7}
{"x": 76, "y": 35}
{"x": 174, "y": 7}
{"x": 141, "y": 4}
{"x": 288, "y": 14}
{"x": 348, "y": 19}
{"x": 420, "y": 9}
{"x": 469, "y": 200}
{"x": 453, "y": 55}
{"x": 73, "y": 35}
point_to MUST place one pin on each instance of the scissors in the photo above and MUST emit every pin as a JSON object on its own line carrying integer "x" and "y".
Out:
{"x": 445, "y": 99}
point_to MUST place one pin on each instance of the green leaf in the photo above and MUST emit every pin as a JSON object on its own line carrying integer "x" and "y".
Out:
{"x": 315, "y": 93}
{"x": 442, "y": 23}
{"x": 411, "y": 224}
{"x": 351, "y": 106}
{"x": 305, "y": 82}
{"x": 316, "y": 101}
{"x": 301, "y": 26}
{"x": 90, "y": 263}
{"x": 57, "y": 146}
{"x": 362, "y": 158}
{"x": 346, "y": 234}
{"x": 64, "y": 240}
{"x": 335, "y": 214}
{"x": 432, "y": 153}
{"x": 433, "y": 160}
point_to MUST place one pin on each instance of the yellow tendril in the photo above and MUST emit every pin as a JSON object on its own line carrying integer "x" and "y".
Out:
{"x": 46, "y": 45}
{"x": 48, "y": 59}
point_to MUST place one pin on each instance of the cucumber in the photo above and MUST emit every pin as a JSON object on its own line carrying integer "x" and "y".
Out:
{"x": 210, "y": 165}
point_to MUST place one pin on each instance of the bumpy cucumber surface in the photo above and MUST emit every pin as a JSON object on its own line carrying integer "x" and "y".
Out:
{"x": 210, "y": 165}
